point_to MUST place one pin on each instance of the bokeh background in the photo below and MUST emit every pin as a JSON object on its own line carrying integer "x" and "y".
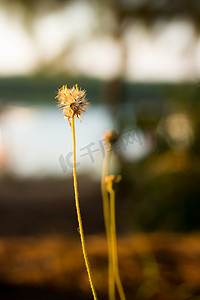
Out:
{"x": 139, "y": 61}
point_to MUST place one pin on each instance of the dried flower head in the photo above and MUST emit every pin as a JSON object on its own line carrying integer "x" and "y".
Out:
{"x": 110, "y": 137}
{"x": 111, "y": 181}
{"x": 72, "y": 101}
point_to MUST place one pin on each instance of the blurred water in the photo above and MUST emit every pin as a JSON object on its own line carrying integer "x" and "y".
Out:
{"x": 37, "y": 141}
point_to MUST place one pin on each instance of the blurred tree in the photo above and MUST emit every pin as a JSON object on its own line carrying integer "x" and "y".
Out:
{"x": 145, "y": 10}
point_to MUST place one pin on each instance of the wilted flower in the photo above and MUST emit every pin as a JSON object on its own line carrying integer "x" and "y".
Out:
{"x": 110, "y": 137}
{"x": 72, "y": 101}
{"x": 111, "y": 181}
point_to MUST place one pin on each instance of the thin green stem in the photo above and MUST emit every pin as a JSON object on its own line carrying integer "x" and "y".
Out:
{"x": 106, "y": 212}
{"x": 114, "y": 245}
{"x": 79, "y": 215}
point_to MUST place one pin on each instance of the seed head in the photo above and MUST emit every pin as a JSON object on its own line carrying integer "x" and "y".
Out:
{"x": 72, "y": 101}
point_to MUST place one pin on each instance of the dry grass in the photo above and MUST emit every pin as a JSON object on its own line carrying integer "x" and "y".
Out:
{"x": 154, "y": 266}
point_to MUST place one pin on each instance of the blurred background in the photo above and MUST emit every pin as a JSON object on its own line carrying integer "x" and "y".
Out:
{"x": 139, "y": 61}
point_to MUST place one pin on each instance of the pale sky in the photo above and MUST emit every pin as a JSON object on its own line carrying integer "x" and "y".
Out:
{"x": 169, "y": 53}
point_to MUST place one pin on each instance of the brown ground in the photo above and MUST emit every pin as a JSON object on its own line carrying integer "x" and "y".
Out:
{"x": 154, "y": 266}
